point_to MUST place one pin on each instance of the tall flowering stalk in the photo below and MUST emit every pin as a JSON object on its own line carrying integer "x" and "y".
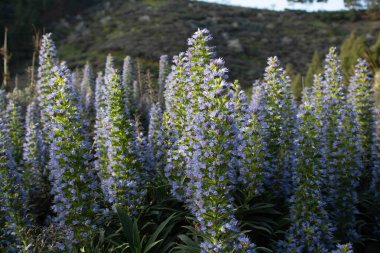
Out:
{"x": 276, "y": 116}
{"x": 252, "y": 158}
{"x": 35, "y": 174}
{"x": 361, "y": 98}
{"x": 101, "y": 124}
{"x": 124, "y": 177}
{"x": 136, "y": 93}
{"x": 12, "y": 194}
{"x": 156, "y": 139}
{"x": 341, "y": 149}
{"x": 203, "y": 139}
{"x": 182, "y": 87}
{"x": 175, "y": 100}
{"x": 77, "y": 77}
{"x": 87, "y": 90}
{"x": 16, "y": 129}
{"x": 101, "y": 130}
{"x": 3, "y": 101}
{"x": 164, "y": 70}
{"x": 310, "y": 230}
{"x": 33, "y": 144}
{"x": 127, "y": 82}
{"x": 143, "y": 150}
{"x": 75, "y": 186}
{"x": 47, "y": 60}
{"x": 210, "y": 147}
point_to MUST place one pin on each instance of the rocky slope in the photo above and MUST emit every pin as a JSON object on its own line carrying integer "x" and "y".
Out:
{"x": 244, "y": 37}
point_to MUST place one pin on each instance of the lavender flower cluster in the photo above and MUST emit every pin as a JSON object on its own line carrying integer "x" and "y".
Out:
{"x": 276, "y": 124}
{"x": 123, "y": 177}
{"x": 341, "y": 149}
{"x": 201, "y": 107}
{"x": 311, "y": 230}
{"x": 12, "y": 192}
{"x": 74, "y": 183}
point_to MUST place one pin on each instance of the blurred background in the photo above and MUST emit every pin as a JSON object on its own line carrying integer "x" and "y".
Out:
{"x": 246, "y": 32}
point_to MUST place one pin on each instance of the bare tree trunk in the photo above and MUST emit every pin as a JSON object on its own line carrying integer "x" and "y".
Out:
{"x": 6, "y": 57}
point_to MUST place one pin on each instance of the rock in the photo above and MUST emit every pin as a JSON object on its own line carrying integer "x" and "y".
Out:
{"x": 86, "y": 32}
{"x": 333, "y": 40}
{"x": 80, "y": 27}
{"x": 235, "y": 45}
{"x": 107, "y": 5}
{"x": 323, "y": 32}
{"x": 215, "y": 19}
{"x": 369, "y": 36}
{"x": 260, "y": 15}
{"x": 105, "y": 20}
{"x": 286, "y": 40}
{"x": 63, "y": 23}
{"x": 72, "y": 38}
{"x": 270, "y": 26}
{"x": 145, "y": 18}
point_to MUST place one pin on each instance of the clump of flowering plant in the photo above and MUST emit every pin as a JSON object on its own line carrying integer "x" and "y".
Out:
{"x": 74, "y": 183}
{"x": 275, "y": 111}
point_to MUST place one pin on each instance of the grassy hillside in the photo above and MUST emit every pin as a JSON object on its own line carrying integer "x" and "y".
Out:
{"x": 244, "y": 37}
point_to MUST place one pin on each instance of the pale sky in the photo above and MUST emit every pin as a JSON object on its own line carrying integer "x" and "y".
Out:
{"x": 282, "y": 4}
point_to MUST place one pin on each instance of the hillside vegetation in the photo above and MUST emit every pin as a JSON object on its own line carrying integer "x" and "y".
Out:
{"x": 245, "y": 37}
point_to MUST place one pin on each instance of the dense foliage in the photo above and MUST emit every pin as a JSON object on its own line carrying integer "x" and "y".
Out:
{"x": 210, "y": 172}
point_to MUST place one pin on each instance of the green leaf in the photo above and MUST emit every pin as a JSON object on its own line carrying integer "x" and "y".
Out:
{"x": 129, "y": 227}
{"x": 160, "y": 228}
